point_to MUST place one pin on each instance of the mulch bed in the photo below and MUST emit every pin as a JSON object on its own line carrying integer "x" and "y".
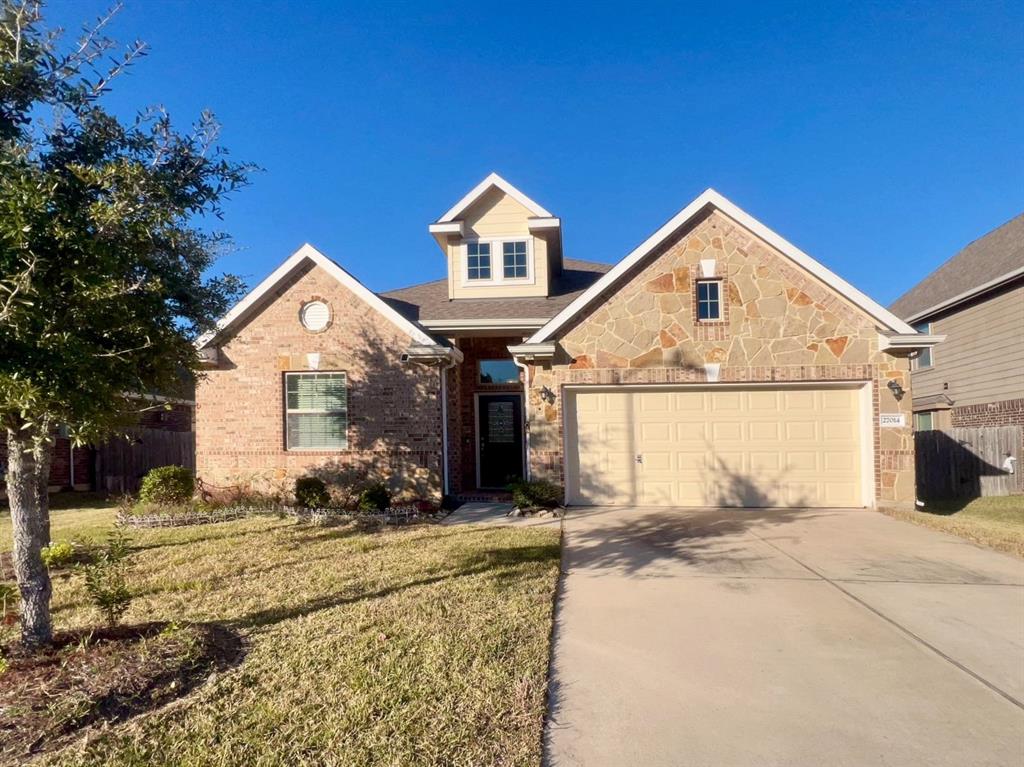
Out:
{"x": 103, "y": 675}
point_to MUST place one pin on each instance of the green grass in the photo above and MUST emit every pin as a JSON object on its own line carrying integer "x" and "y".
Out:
{"x": 996, "y": 522}
{"x": 422, "y": 645}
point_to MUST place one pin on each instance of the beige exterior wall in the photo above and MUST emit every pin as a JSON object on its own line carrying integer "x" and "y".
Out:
{"x": 781, "y": 325}
{"x": 394, "y": 416}
{"x": 496, "y": 216}
{"x": 982, "y": 358}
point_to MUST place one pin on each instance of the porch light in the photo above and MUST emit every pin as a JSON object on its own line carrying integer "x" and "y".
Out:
{"x": 896, "y": 389}
{"x": 547, "y": 395}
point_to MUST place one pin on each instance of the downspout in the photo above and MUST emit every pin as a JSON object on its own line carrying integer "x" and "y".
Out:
{"x": 525, "y": 367}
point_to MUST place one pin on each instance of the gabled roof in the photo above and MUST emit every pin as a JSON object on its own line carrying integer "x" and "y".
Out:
{"x": 429, "y": 301}
{"x": 478, "y": 191}
{"x": 307, "y": 253}
{"x": 711, "y": 198}
{"x": 984, "y": 264}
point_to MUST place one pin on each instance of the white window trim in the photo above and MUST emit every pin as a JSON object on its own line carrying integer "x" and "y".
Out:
{"x": 288, "y": 411}
{"x": 915, "y": 361}
{"x": 497, "y": 262}
{"x": 721, "y": 301}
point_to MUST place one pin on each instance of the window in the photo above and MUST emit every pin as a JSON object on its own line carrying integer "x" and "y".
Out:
{"x": 514, "y": 259}
{"x": 923, "y": 359}
{"x": 498, "y": 372}
{"x": 316, "y": 411}
{"x": 478, "y": 260}
{"x": 709, "y": 300}
{"x": 923, "y": 421}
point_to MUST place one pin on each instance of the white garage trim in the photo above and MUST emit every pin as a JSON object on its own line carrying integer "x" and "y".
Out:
{"x": 864, "y": 418}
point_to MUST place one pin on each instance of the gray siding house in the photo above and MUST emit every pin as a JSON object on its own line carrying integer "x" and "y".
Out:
{"x": 976, "y": 300}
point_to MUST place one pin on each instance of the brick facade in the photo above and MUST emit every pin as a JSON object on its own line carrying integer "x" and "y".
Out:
{"x": 783, "y": 326}
{"x": 1006, "y": 413}
{"x": 463, "y": 389}
{"x": 394, "y": 411}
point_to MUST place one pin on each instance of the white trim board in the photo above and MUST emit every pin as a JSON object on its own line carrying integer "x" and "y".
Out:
{"x": 712, "y": 198}
{"x": 478, "y": 191}
{"x": 308, "y": 253}
{"x": 967, "y": 295}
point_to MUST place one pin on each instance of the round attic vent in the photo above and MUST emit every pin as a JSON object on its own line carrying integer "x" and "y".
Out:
{"x": 315, "y": 316}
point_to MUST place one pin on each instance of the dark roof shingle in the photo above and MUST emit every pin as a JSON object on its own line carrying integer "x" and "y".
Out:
{"x": 988, "y": 258}
{"x": 429, "y": 300}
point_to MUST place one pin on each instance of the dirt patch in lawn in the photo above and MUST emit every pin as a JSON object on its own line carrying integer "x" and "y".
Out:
{"x": 102, "y": 675}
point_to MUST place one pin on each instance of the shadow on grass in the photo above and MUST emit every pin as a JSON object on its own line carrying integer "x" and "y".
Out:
{"x": 503, "y": 565}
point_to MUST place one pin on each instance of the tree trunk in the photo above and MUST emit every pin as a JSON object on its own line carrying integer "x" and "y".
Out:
{"x": 28, "y": 470}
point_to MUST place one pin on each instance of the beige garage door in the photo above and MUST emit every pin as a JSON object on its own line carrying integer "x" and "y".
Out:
{"x": 725, "y": 447}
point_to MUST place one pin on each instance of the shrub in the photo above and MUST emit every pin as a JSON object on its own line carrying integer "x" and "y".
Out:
{"x": 167, "y": 484}
{"x": 8, "y": 602}
{"x": 375, "y": 497}
{"x": 311, "y": 492}
{"x": 66, "y": 553}
{"x": 540, "y": 493}
{"x": 106, "y": 577}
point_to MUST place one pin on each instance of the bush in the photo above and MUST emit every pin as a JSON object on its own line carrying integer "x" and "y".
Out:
{"x": 106, "y": 577}
{"x": 311, "y": 493}
{"x": 67, "y": 553}
{"x": 539, "y": 493}
{"x": 375, "y": 497}
{"x": 167, "y": 484}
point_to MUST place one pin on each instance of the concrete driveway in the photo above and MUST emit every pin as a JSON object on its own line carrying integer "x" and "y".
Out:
{"x": 754, "y": 637}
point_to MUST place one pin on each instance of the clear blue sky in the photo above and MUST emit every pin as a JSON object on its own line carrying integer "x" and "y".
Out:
{"x": 880, "y": 138}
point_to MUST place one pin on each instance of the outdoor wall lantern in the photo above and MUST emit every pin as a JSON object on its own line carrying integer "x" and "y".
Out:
{"x": 896, "y": 389}
{"x": 547, "y": 395}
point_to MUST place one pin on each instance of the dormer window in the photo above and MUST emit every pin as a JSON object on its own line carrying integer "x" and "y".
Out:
{"x": 478, "y": 260}
{"x": 514, "y": 259}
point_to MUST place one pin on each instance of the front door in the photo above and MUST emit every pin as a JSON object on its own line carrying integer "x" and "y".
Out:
{"x": 501, "y": 439}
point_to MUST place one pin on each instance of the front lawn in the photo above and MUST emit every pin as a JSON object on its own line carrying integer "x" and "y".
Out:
{"x": 395, "y": 646}
{"x": 996, "y": 522}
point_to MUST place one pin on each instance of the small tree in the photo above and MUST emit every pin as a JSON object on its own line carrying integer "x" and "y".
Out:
{"x": 102, "y": 262}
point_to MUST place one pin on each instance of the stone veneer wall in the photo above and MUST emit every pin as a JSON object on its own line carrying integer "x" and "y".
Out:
{"x": 782, "y": 325}
{"x": 394, "y": 408}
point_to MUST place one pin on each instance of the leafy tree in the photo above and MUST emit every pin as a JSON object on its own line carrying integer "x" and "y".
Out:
{"x": 102, "y": 261}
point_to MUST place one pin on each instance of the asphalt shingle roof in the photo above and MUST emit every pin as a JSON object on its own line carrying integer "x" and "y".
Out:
{"x": 999, "y": 252}
{"x": 429, "y": 300}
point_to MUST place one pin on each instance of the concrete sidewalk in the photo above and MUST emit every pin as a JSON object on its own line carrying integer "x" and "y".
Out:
{"x": 490, "y": 513}
{"x": 798, "y": 638}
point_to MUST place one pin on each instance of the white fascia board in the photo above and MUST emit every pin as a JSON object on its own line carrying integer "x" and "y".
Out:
{"x": 433, "y": 351}
{"x": 308, "y": 252}
{"x": 966, "y": 295}
{"x": 551, "y": 222}
{"x": 712, "y": 198}
{"x": 480, "y": 189}
{"x": 531, "y": 323}
{"x": 448, "y": 227}
{"x": 532, "y": 350}
{"x": 908, "y": 341}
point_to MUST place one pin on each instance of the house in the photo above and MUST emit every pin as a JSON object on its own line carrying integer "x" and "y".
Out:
{"x": 975, "y": 299}
{"x": 117, "y": 465}
{"x": 714, "y": 365}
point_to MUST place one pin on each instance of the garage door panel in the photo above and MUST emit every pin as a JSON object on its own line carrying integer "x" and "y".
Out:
{"x": 730, "y": 447}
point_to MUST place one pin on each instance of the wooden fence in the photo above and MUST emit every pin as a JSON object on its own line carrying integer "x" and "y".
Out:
{"x": 121, "y": 463}
{"x": 968, "y": 462}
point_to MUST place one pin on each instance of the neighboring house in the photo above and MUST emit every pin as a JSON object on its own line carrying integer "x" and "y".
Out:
{"x": 78, "y": 468}
{"x": 976, "y": 300}
{"x": 715, "y": 365}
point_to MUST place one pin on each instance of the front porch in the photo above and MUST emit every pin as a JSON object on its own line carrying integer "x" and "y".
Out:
{"x": 486, "y": 419}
